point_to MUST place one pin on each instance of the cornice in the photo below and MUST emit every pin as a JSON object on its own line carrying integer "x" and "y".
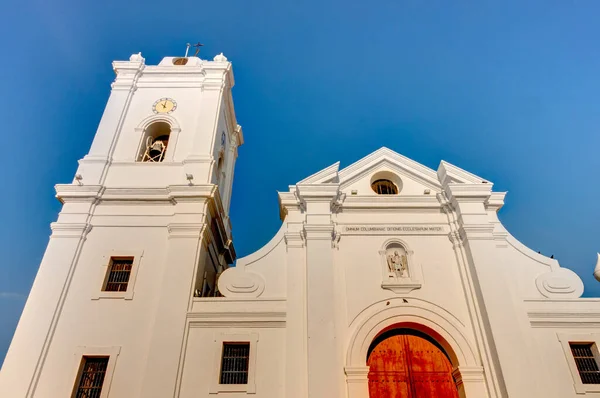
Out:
{"x": 184, "y": 230}
{"x": 468, "y": 192}
{"x": 78, "y": 193}
{"x": 495, "y": 200}
{"x": 477, "y": 231}
{"x": 183, "y": 193}
{"x": 319, "y": 231}
{"x": 69, "y": 230}
{"x": 135, "y": 194}
{"x": 294, "y": 239}
{"x": 237, "y": 318}
{"x": 317, "y": 192}
{"x": 448, "y": 173}
{"x": 390, "y": 202}
{"x": 564, "y": 318}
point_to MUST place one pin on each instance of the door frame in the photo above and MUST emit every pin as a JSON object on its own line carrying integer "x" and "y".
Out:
{"x": 425, "y": 318}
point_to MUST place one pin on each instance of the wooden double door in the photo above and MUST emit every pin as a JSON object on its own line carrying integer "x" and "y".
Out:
{"x": 408, "y": 364}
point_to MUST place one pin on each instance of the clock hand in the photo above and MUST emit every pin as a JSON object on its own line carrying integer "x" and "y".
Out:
{"x": 164, "y": 104}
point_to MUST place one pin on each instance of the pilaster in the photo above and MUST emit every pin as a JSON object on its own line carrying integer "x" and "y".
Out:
{"x": 175, "y": 295}
{"x": 94, "y": 165}
{"x": 503, "y": 321}
{"x": 32, "y": 339}
{"x": 324, "y": 346}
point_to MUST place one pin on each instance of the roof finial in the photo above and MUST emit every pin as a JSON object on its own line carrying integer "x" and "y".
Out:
{"x": 597, "y": 269}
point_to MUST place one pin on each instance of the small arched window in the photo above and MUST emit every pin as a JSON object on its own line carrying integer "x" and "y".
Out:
{"x": 220, "y": 171}
{"x": 384, "y": 187}
{"x": 155, "y": 142}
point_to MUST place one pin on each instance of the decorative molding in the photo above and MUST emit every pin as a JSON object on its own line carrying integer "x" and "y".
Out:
{"x": 468, "y": 374}
{"x": 294, "y": 239}
{"x": 477, "y": 231}
{"x": 237, "y": 282}
{"x": 74, "y": 193}
{"x": 561, "y": 282}
{"x": 183, "y": 230}
{"x": 70, "y": 230}
{"x": 564, "y": 318}
{"x": 319, "y": 231}
{"x": 367, "y": 202}
{"x": 356, "y": 374}
{"x": 254, "y": 319}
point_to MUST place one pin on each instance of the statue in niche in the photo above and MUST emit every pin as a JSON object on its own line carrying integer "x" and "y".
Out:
{"x": 397, "y": 262}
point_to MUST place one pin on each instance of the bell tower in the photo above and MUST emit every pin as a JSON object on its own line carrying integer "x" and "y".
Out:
{"x": 144, "y": 230}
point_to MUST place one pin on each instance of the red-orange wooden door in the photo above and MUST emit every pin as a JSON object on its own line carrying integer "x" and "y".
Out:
{"x": 408, "y": 365}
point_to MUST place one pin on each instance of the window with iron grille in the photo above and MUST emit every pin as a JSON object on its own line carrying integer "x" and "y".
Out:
{"x": 384, "y": 187}
{"x": 119, "y": 271}
{"x": 234, "y": 363}
{"x": 586, "y": 362}
{"x": 93, "y": 370}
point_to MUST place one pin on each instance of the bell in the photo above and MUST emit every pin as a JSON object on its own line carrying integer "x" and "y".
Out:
{"x": 157, "y": 146}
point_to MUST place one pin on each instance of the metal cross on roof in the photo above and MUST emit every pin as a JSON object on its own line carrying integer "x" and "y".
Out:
{"x": 197, "y": 46}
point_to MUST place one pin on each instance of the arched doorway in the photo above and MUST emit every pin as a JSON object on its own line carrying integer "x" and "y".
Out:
{"x": 406, "y": 363}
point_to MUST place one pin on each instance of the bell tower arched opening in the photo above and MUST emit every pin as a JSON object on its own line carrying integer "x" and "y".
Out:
{"x": 155, "y": 142}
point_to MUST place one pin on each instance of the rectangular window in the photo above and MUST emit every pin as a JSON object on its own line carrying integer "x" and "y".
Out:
{"x": 93, "y": 370}
{"x": 586, "y": 362}
{"x": 119, "y": 271}
{"x": 234, "y": 363}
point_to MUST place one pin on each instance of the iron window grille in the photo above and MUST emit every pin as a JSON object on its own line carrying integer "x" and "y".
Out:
{"x": 234, "y": 363}
{"x": 384, "y": 187}
{"x": 118, "y": 274}
{"x": 90, "y": 382}
{"x": 586, "y": 362}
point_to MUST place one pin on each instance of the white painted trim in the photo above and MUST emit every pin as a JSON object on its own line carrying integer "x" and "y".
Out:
{"x": 111, "y": 352}
{"x": 565, "y": 339}
{"x": 103, "y": 274}
{"x": 240, "y": 336}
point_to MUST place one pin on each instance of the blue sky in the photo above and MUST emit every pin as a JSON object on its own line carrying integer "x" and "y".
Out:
{"x": 507, "y": 91}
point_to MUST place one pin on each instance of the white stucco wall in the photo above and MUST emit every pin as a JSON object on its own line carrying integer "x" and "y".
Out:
{"x": 311, "y": 301}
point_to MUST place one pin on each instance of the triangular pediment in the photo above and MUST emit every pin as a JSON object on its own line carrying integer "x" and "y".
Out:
{"x": 413, "y": 174}
{"x": 413, "y": 177}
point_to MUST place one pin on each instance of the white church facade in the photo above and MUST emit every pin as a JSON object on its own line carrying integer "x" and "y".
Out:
{"x": 387, "y": 279}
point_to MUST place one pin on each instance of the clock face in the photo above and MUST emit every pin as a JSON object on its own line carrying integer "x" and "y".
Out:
{"x": 164, "y": 105}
